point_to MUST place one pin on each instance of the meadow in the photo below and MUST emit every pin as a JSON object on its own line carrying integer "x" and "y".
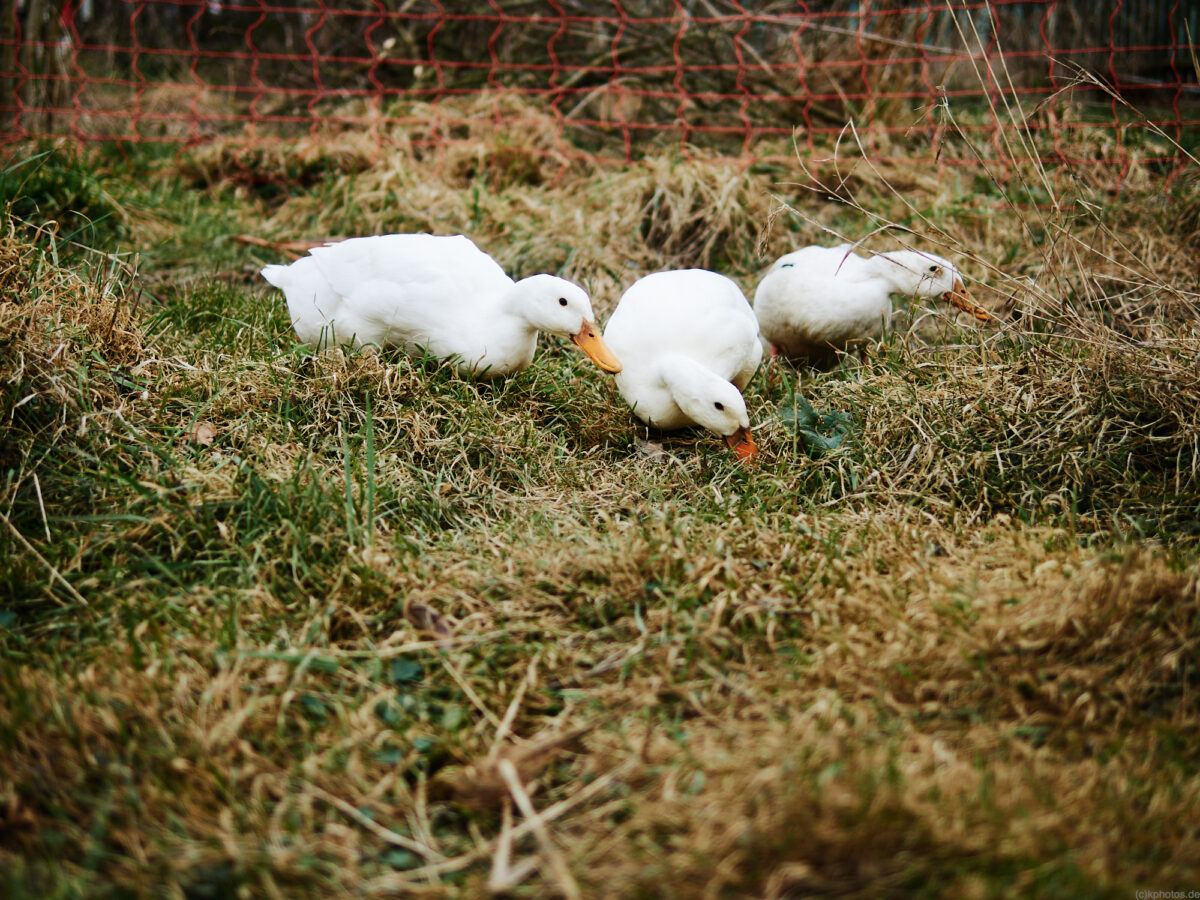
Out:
{"x": 280, "y": 624}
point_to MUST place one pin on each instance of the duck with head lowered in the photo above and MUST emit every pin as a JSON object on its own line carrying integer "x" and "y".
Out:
{"x": 818, "y": 300}
{"x": 431, "y": 295}
{"x": 689, "y": 343}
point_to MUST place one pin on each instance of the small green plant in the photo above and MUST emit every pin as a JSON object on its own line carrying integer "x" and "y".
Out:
{"x": 820, "y": 432}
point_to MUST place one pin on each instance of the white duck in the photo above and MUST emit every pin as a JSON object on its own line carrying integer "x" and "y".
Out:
{"x": 689, "y": 343}
{"x": 819, "y": 299}
{"x": 433, "y": 295}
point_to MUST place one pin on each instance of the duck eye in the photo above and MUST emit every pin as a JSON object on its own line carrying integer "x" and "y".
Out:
{"x": 934, "y": 270}
{"x": 562, "y": 301}
{"x": 720, "y": 406}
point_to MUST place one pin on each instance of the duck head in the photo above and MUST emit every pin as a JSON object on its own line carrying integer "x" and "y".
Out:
{"x": 920, "y": 274}
{"x": 712, "y": 402}
{"x": 558, "y": 306}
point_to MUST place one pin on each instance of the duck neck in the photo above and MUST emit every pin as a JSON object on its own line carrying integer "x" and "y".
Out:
{"x": 514, "y": 324}
{"x": 899, "y": 278}
{"x": 678, "y": 370}
{"x": 685, "y": 379}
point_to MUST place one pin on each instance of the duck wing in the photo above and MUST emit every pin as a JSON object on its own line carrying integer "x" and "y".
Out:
{"x": 420, "y": 291}
{"x": 823, "y": 264}
{"x": 411, "y": 259}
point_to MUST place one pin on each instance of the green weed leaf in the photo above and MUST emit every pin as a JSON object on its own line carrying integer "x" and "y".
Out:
{"x": 821, "y": 432}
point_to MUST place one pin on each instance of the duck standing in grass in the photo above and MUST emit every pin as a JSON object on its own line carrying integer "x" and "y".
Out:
{"x": 436, "y": 296}
{"x": 818, "y": 300}
{"x": 689, "y": 343}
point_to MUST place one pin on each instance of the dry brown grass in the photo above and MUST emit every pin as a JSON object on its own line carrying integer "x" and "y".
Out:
{"x": 377, "y": 630}
{"x": 51, "y": 320}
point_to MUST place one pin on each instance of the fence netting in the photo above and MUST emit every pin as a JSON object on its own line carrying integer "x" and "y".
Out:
{"x": 1104, "y": 85}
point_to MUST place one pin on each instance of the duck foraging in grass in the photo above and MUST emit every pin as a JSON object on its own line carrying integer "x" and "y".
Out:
{"x": 434, "y": 296}
{"x": 689, "y": 343}
{"x": 819, "y": 300}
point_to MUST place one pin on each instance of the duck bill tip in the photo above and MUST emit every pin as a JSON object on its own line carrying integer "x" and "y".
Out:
{"x": 959, "y": 298}
{"x": 741, "y": 442}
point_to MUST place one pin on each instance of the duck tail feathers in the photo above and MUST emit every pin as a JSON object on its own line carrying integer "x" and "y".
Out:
{"x": 275, "y": 275}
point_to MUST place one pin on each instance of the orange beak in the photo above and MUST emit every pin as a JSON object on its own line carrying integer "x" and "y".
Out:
{"x": 741, "y": 442}
{"x": 589, "y": 341}
{"x": 960, "y": 298}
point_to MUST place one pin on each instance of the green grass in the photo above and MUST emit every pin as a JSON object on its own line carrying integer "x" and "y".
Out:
{"x": 289, "y": 625}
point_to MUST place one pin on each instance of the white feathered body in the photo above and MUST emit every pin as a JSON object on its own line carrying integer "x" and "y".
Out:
{"x": 820, "y": 299}
{"x": 435, "y": 295}
{"x": 683, "y": 332}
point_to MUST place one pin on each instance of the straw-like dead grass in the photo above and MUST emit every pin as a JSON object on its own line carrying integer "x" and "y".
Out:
{"x": 62, "y": 361}
{"x": 283, "y": 624}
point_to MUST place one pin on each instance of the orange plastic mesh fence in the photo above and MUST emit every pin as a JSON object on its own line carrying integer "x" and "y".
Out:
{"x": 953, "y": 83}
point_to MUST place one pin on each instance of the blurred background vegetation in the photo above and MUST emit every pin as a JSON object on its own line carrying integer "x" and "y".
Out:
{"x": 706, "y": 71}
